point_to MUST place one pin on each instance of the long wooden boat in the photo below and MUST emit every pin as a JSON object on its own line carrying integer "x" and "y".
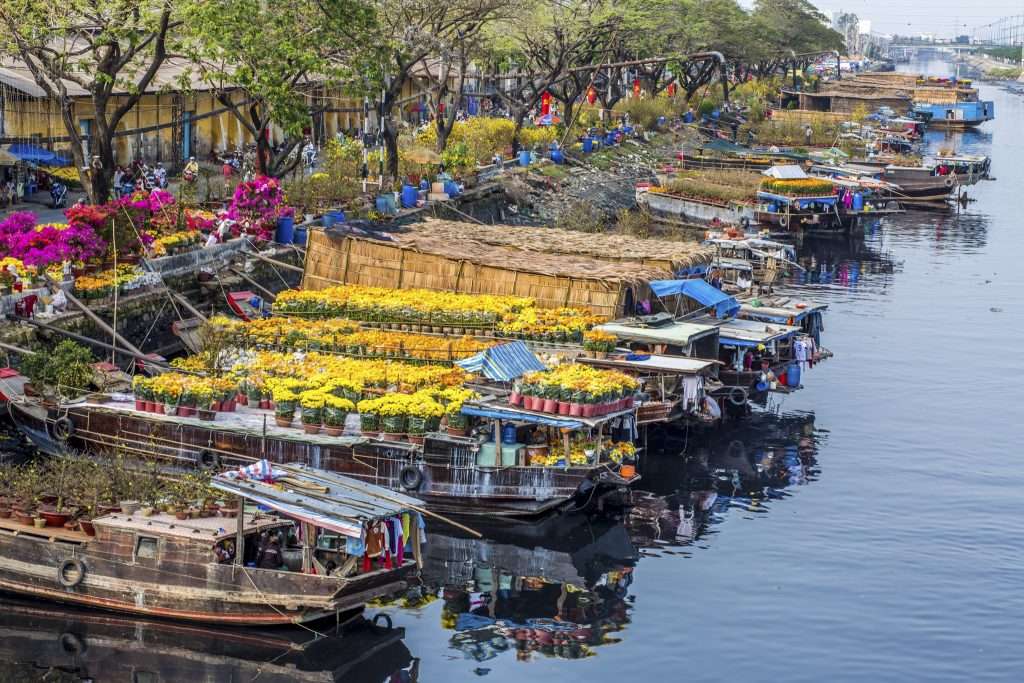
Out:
{"x": 160, "y": 566}
{"x": 445, "y": 471}
{"x": 691, "y": 211}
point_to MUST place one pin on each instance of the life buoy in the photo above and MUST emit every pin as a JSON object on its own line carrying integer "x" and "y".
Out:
{"x": 72, "y": 644}
{"x": 784, "y": 220}
{"x": 388, "y": 624}
{"x": 208, "y": 460}
{"x": 948, "y": 182}
{"x": 63, "y": 428}
{"x": 410, "y": 478}
{"x": 70, "y": 579}
{"x": 738, "y": 396}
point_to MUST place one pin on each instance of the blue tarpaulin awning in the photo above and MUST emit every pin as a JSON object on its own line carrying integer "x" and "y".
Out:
{"x": 502, "y": 363}
{"x": 36, "y": 154}
{"x": 701, "y": 292}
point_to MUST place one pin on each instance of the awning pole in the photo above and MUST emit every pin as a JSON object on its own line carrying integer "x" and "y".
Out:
{"x": 240, "y": 533}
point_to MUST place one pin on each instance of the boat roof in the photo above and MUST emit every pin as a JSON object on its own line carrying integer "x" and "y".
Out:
{"x": 780, "y": 311}
{"x": 740, "y": 332}
{"x": 211, "y": 529}
{"x": 324, "y": 499}
{"x": 678, "y": 365}
{"x": 676, "y": 333}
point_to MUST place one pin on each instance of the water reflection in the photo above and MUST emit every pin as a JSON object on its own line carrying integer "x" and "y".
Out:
{"x": 556, "y": 589}
{"x": 845, "y": 260}
{"x": 43, "y": 642}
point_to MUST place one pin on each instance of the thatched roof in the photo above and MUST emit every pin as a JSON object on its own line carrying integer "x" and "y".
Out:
{"x": 622, "y": 254}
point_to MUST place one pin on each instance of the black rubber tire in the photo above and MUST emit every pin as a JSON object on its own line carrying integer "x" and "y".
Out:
{"x": 784, "y": 221}
{"x": 744, "y": 222}
{"x": 62, "y": 572}
{"x": 208, "y": 460}
{"x": 410, "y": 478}
{"x": 63, "y": 428}
{"x": 948, "y": 182}
{"x": 72, "y": 644}
{"x": 738, "y": 396}
{"x": 377, "y": 628}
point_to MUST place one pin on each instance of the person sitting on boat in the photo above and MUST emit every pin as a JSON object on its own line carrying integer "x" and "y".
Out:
{"x": 224, "y": 551}
{"x": 270, "y": 555}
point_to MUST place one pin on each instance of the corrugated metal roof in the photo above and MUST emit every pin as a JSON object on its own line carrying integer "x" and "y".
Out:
{"x": 677, "y": 333}
{"x": 502, "y": 363}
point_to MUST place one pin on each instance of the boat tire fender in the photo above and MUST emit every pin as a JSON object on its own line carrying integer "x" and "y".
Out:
{"x": 72, "y": 643}
{"x": 948, "y": 182}
{"x": 738, "y": 396}
{"x": 410, "y": 478}
{"x": 63, "y": 428}
{"x": 784, "y": 221}
{"x": 207, "y": 459}
{"x": 744, "y": 222}
{"x": 71, "y": 572}
{"x": 377, "y": 627}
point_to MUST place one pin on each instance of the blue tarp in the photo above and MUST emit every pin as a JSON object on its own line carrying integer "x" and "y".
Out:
{"x": 783, "y": 199}
{"x": 499, "y": 413}
{"x": 699, "y": 291}
{"x": 502, "y": 363}
{"x": 36, "y": 154}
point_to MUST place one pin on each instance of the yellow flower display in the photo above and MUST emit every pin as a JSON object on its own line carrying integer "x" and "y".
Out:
{"x": 175, "y": 241}
{"x": 581, "y": 379}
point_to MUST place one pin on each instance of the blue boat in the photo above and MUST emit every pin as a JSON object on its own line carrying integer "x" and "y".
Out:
{"x": 958, "y": 114}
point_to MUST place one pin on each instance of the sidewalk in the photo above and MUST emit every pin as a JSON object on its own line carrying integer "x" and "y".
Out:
{"x": 40, "y": 204}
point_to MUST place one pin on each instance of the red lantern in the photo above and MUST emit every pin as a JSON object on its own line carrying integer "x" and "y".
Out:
{"x": 636, "y": 87}
{"x": 545, "y": 104}
{"x": 591, "y": 95}
{"x": 672, "y": 89}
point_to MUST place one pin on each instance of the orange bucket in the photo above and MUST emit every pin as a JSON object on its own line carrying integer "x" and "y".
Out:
{"x": 627, "y": 471}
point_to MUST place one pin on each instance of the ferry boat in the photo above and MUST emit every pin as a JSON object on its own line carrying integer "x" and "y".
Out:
{"x": 956, "y": 114}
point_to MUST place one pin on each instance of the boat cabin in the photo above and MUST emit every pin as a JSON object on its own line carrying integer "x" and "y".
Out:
{"x": 780, "y": 310}
{"x": 662, "y": 334}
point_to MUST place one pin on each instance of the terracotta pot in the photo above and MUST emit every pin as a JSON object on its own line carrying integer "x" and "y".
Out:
{"x": 630, "y": 401}
{"x": 515, "y": 398}
{"x": 24, "y": 517}
{"x": 456, "y": 431}
{"x": 311, "y": 429}
{"x": 417, "y": 439}
{"x": 207, "y": 415}
{"x": 550, "y": 405}
{"x": 129, "y": 507}
{"x": 242, "y": 400}
{"x": 588, "y": 409}
{"x": 576, "y": 409}
{"x": 627, "y": 471}
{"x": 229, "y": 512}
{"x": 216, "y": 406}
{"x": 264, "y": 404}
{"x": 140, "y": 405}
{"x": 55, "y": 518}
{"x": 5, "y": 513}
{"x": 86, "y": 526}
{"x": 370, "y": 435}
{"x": 228, "y": 406}
{"x": 186, "y": 411}
{"x": 283, "y": 421}
{"x": 334, "y": 431}
{"x": 563, "y": 407}
{"x": 393, "y": 436}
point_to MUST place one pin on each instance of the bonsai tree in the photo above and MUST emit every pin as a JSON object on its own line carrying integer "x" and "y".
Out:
{"x": 58, "y": 477}
{"x": 27, "y": 486}
{"x": 64, "y": 373}
{"x": 91, "y": 485}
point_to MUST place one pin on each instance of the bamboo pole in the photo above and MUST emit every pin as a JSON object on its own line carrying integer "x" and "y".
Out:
{"x": 103, "y": 325}
{"x": 184, "y": 302}
{"x": 86, "y": 340}
{"x": 279, "y": 264}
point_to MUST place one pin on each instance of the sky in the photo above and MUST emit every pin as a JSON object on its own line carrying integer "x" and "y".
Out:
{"x": 944, "y": 18}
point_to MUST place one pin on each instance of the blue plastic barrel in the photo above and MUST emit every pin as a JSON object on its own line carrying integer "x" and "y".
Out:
{"x": 508, "y": 433}
{"x": 299, "y": 237}
{"x": 285, "y": 232}
{"x": 409, "y": 196}
{"x": 524, "y": 158}
{"x": 556, "y": 156}
{"x": 425, "y": 184}
{"x": 793, "y": 375}
{"x": 588, "y": 145}
{"x": 858, "y": 201}
{"x": 386, "y": 204}
{"x": 328, "y": 220}
{"x": 451, "y": 188}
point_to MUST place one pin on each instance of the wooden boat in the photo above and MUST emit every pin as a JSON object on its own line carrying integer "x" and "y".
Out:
{"x": 692, "y": 211}
{"x": 160, "y": 566}
{"x": 445, "y": 471}
{"x": 107, "y": 647}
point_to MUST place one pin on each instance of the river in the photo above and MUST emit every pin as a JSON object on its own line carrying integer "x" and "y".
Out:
{"x": 867, "y": 527}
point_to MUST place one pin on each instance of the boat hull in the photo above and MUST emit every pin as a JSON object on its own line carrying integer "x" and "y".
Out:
{"x": 691, "y": 211}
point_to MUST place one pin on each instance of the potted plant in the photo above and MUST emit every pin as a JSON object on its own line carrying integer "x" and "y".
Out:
{"x": 599, "y": 343}
{"x": 63, "y": 373}
{"x": 92, "y": 483}
{"x": 551, "y": 393}
{"x": 312, "y": 402}
{"x": 336, "y": 410}
{"x": 285, "y": 401}
{"x": 58, "y": 479}
{"x": 564, "y": 397}
{"x": 422, "y": 411}
{"x": 27, "y": 487}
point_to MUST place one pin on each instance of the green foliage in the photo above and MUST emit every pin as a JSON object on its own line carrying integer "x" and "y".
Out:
{"x": 583, "y": 217}
{"x": 646, "y": 110}
{"x": 65, "y": 372}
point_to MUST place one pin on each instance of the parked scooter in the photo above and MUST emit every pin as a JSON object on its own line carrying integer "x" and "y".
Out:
{"x": 59, "y": 195}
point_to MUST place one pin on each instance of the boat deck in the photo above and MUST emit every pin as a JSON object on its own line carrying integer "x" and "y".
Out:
{"x": 51, "y": 533}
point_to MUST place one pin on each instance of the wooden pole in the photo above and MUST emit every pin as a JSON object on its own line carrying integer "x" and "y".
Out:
{"x": 279, "y": 264}
{"x": 103, "y": 325}
{"x": 150, "y": 363}
{"x": 417, "y": 551}
{"x": 184, "y": 302}
{"x": 240, "y": 533}
{"x": 267, "y": 294}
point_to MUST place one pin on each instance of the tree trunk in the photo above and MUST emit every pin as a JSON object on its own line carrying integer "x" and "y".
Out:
{"x": 520, "y": 117}
{"x": 391, "y": 147}
{"x": 263, "y": 151}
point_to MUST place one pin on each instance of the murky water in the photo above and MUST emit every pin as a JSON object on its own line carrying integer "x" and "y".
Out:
{"x": 868, "y": 527}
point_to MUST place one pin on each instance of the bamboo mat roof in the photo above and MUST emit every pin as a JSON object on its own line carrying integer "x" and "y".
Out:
{"x": 539, "y": 244}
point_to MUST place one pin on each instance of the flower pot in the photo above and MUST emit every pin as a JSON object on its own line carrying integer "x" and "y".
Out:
{"x": 129, "y": 507}
{"x": 54, "y": 518}
{"x": 589, "y": 409}
{"x": 417, "y": 439}
{"x": 515, "y": 398}
{"x": 39, "y": 523}
{"x": 334, "y": 431}
{"x": 630, "y": 401}
{"x": 5, "y": 513}
{"x": 242, "y": 399}
{"x": 369, "y": 434}
{"x": 86, "y": 526}
{"x": 216, "y": 406}
{"x": 181, "y": 514}
{"x": 229, "y": 512}
{"x": 264, "y": 404}
{"x": 456, "y": 431}
{"x": 627, "y": 471}
{"x": 550, "y": 405}
{"x": 147, "y": 511}
{"x": 23, "y": 517}
{"x": 170, "y": 409}
{"x": 186, "y": 411}
{"x": 563, "y": 407}
{"x": 140, "y": 405}
{"x": 311, "y": 429}
{"x": 283, "y": 421}
{"x": 576, "y": 409}
{"x": 393, "y": 436}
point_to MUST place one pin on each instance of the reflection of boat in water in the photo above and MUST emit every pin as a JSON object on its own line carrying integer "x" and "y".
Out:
{"x": 556, "y": 588}
{"x": 756, "y": 461}
{"x": 35, "y": 640}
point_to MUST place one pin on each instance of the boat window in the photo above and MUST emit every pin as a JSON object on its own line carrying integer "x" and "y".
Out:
{"x": 145, "y": 548}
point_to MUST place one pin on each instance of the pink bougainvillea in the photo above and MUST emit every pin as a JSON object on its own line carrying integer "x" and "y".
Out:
{"x": 42, "y": 245}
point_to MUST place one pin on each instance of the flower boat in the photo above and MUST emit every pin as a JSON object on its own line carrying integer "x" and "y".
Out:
{"x": 205, "y": 569}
